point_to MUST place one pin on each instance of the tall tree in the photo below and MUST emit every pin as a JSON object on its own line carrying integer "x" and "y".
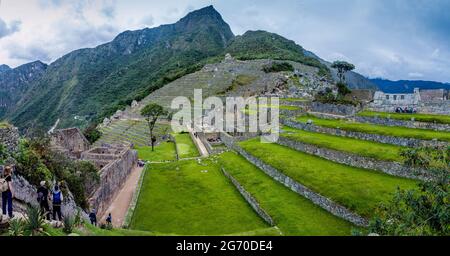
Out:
{"x": 343, "y": 67}
{"x": 152, "y": 112}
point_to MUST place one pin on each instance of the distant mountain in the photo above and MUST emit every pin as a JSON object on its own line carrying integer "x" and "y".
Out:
{"x": 14, "y": 83}
{"x": 87, "y": 85}
{"x": 406, "y": 86}
{"x": 4, "y": 68}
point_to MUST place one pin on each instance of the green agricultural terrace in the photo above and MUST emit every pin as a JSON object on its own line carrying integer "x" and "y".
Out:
{"x": 292, "y": 213}
{"x": 132, "y": 131}
{"x": 380, "y": 151}
{"x": 427, "y": 118}
{"x": 185, "y": 146}
{"x": 165, "y": 151}
{"x": 358, "y": 189}
{"x": 396, "y": 131}
{"x": 191, "y": 198}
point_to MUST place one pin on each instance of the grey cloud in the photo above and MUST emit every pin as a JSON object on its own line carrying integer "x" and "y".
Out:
{"x": 9, "y": 29}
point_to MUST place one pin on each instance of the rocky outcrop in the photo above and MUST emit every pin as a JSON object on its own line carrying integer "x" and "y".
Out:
{"x": 9, "y": 136}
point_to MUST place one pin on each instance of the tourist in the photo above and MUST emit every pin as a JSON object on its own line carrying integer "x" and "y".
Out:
{"x": 93, "y": 217}
{"x": 43, "y": 197}
{"x": 57, "y": 201}
{"x": 109, "y": 219}
{"x": 8, "y": 194}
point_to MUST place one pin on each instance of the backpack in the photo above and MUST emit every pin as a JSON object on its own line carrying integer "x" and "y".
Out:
{"x": 57, "y": 197}
{"x": 3, "y": 185}
{"x": 40, "y": 197}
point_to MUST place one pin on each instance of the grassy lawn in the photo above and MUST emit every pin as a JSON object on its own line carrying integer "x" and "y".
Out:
{"x": 189, "y": 198}
{"x": 364, "y": 148}
{"x": 427, "y": 118}
{"x": 357, "y": 189}
{"x": 280, "y": 107}
{"x": 378, "y": 129}
{"x": 292, "y": 213}
{"x": 163, "y": 152}
{"x": 185, "y": 146}
{"x": 294, "y": 99}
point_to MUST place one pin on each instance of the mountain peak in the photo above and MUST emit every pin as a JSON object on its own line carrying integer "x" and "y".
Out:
{"x": 208, "y": 13}
{"x": 4, "y": 68}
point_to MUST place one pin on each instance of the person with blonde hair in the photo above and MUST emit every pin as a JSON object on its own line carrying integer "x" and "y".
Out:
{"x": 8, "y": 192}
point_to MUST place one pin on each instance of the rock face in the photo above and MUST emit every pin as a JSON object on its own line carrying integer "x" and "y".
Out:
{"x": 9, "y": 136}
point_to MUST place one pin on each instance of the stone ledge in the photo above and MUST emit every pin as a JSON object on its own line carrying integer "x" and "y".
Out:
{"x": 404, "y": 123}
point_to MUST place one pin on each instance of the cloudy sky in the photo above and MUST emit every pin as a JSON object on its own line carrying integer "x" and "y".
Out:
{"x": 394, "y": 39}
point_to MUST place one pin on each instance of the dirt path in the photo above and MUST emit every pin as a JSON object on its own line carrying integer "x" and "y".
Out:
{"x": 121, "y": 203}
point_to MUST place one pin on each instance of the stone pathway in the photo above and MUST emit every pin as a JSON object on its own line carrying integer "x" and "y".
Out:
{"x": 201, "y": 147}
{"x": 120, "y": 205}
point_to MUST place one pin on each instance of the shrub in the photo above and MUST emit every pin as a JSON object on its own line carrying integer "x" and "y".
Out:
{"x": 16, "y": 227}
{"x": 92, "y": 134}
{"x": 35, "y": 222}
{"x": 278, "y": 67}
{"x": 69, "y": 224}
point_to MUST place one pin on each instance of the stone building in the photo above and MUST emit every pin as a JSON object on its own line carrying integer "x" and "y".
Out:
{"x": 70, "y": 141}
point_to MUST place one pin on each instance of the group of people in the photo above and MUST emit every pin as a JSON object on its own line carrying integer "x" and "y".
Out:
{"x": 408, "y": 110}
{"x": 45, "y": 196}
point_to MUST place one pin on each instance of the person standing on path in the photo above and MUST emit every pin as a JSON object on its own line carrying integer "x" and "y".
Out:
{"x": 8, "y": 192}
{"x": 57, "y": 201}
{"x": 43, "y": 196}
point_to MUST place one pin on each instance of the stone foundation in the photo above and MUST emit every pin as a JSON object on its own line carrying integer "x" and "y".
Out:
{"x": 405, "y": 123}
{"x": 9, "y": 137}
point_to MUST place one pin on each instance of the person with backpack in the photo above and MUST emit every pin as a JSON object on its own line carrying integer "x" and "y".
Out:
{"x": 93, "y": 217}
{"x": 43, "y": 196}
{"x": 57, "y": 201}
{"x": 109, "y": 219}
{"x": 7, "y": 190}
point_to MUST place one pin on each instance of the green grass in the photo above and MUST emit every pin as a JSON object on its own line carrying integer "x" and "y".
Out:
{"x": 359, "y": 190}
{"x": 294, "y": 99}
{"x": 188, "y": 198}
{"x": 163, "y": 152}
{"x": 364, "y": 148}
{"x": 185, "y": 146}
{"x": 280, "y": 107}
{"x": 4, "y": 125}
{"x": 427, "y": 118}
{"x": 292, "y": 213}
{"x": 396, "y": 131}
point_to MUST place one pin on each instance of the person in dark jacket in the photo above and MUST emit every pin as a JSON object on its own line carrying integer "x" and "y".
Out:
{"x": 8, "y": 195}
{"x": 93, "y": 217}
{"x": 43, "y": 196}
{"x": 57, "y": 201}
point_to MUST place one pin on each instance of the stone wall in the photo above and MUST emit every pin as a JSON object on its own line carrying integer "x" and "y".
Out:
{"x": 317, "y": 199}
{"x": 69, "y": 141}
{"x": 112, "y": 178}
{"x": 9, "y": 136}
{"x": 400, "y": 141}
{"x": 437, "y": 107}
{"x": 405, "y": 123}
{"x": 342, "y": 110}
{"x": 250, "y": 199}
{"x": 391, "y": 168}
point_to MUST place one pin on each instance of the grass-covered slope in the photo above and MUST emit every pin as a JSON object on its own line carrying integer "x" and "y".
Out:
{"x": 165, "y": 151}
{"x": 426, "y": 118}
{"x": 364, "y": 148}
{"x": 292, "y": 213}
{"x": 185, "y": 146}
{"x": 357, "y": 189}
{"x": 378, "y": 129}
{"x": 189, "y": 198}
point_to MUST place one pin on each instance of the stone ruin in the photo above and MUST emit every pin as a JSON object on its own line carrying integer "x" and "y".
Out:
{"x": 70, "y": 142}
{"x": 115, "y": 163}
{"x": 9, "y": 137}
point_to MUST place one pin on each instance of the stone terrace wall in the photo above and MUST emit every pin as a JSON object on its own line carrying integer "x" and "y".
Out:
{"x": 408, "y": 142}
{"x": 391, "y": 168}
{"x": 9, "y": 136}
{"x": 438, "y": 107}
{"x": 112, "y": 177}
{"x": 405, "y": 123}
{"x": 250, "y": 199}
{"x": 317, "y": 199}
{"x": 343, "y": 110}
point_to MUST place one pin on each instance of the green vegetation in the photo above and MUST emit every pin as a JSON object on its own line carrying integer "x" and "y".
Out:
{"x": 294, "y": 100}
{"x": 165, "y": 151}
{"x": 185, "y": 146}
{"x": 92, "y": 134}
{"x": 241, "y": 80}
{"x": 419, "y": 212}
{"x": 427, "y": 118}
{"x": 280, "y": 107}
{"x": 152, "y": 112}
{"x": 191, "y": 198}
{"x": 4, "y": 125}
{"x": 292, "y": 213}
{"x": 396, "y": 131}
{"x": 359, "y": 190}
{"x": 342, "y": 67}
{"x": 437, "y": 158}
{"x": 278, "y": 67}
{"x": 365, "y": 148}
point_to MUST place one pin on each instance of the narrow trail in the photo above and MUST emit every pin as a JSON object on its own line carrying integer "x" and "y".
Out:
{"x": 121, "y": 203}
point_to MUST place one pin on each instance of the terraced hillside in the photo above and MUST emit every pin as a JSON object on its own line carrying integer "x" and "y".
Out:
{"x": 130, "y": 131}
